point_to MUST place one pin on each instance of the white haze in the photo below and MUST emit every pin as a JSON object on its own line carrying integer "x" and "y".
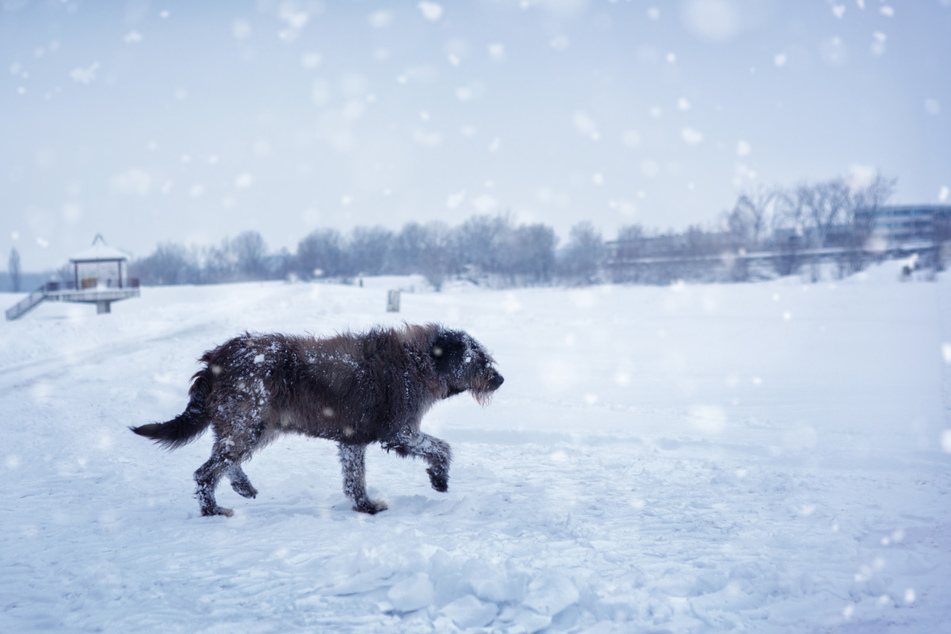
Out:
{"x": 188, "y": 122}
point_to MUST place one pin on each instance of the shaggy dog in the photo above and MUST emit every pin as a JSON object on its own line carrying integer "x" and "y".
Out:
{"x": 353, "y": 389}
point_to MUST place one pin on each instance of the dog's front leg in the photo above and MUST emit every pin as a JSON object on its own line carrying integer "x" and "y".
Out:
{"x": 352, "y": 459}
{"x": 433, "y": 450}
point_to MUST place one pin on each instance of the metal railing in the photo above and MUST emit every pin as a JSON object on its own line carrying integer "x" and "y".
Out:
{"x": 25, "y": 305}
{"x": 89, "y": 284}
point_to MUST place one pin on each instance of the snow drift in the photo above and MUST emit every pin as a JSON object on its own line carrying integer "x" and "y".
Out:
{"x": 768, "y": 457}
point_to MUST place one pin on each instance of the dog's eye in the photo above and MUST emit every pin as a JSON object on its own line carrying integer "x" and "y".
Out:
{"x": 437, "y": 351}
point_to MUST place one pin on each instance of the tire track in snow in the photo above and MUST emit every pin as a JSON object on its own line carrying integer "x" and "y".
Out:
{"x": 25, "y": 375}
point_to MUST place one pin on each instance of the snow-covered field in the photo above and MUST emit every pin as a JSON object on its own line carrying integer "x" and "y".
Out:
{"x": 759, "y": 457}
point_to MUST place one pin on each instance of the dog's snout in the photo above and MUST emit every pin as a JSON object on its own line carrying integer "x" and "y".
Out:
{"x": 497, "y": 381}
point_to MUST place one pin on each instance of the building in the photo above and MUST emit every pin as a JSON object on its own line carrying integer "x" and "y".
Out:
{"x": 100, "y": 277}
{"x": 902, "y": 224}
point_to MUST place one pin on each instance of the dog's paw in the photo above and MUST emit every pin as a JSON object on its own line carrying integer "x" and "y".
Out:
{"x": 217, "y": 510}
{"x": 370, "y": 506}
{"x": 439, "y": 479}
{"x": 244, "y": 489}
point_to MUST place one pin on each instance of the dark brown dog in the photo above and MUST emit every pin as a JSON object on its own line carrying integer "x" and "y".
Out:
{"x": 353, "y": 389}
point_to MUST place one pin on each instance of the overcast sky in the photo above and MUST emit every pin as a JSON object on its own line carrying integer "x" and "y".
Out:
{"x": 191, "y": 121}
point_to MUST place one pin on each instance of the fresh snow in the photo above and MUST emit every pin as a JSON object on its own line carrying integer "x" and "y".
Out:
{"x": 768, "y": 457}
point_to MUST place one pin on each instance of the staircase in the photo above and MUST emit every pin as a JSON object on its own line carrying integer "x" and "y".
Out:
{"x": 26, "y": 305}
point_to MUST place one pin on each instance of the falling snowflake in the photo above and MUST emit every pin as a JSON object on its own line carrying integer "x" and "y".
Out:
{"x": 454, "y": 200}
{"x": 691, "y": 136}
{"x": 431, "y": 10}
{"x": 85, "y": 75}
{"x": 586, "y": 125}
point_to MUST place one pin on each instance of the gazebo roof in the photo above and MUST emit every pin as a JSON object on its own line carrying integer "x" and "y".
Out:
{"x": 99, "y": 252}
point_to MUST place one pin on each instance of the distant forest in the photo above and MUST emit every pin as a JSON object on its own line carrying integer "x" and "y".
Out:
{"x": 769, "y": 232}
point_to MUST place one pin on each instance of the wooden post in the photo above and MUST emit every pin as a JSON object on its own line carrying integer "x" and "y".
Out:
{"x": 393, "y": 302}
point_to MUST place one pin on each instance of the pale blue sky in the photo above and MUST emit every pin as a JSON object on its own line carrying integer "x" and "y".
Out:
{"x": 191, "y": 121}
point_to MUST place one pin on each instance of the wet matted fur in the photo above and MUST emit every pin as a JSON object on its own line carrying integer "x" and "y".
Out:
{"x": 354, "y": 389}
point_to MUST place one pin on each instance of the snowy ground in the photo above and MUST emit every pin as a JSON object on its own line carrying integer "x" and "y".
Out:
{"x": 762, "y": 457}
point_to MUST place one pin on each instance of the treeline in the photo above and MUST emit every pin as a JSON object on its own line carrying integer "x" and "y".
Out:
{"x": 483, "y": 249}
{"x": 768, "y": 232}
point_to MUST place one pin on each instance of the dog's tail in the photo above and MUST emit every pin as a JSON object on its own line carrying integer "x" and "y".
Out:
{"x": 188, "y": 425}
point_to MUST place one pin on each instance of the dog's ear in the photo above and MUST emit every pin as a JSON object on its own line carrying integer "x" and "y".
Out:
{"x": 448, "y": 350}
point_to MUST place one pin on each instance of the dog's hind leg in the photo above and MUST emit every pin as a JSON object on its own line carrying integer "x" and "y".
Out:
{"x": 234, "y": 444}
{"x": 207, "y": 477}
{"x": 433, "y": 450}
{"x": 352, "y": 459}
{"x": 245, "y": 444}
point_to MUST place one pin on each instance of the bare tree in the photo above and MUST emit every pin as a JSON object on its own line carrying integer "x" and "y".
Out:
{"x": 404, "y": 253}
{"x": 219, "y": 264}
{"x": 629, "y": 239}
{"x": 527, "y": 253}
{"x": 584, "y": 254}
{"x": 750, "y": 217}
{"x": 807, "y": 216}
{"x": 13, "y": 266}
{"x": 170, "y": 263}
{"x": 537, "y": 242}
{"x": 436, "y": 254}
{"x": 250, "y": 253}
{"x": 321, "y": 254}
{"x": 796, "y": 210}
{"x": 630, "y": 246}
{"x": 368, "y": 249}
{"x": 831, "y": 210}
{"x": 865, "y": 201}
{"x": 789, "y": 226}
{"x": 873, "y": 194}
{"x": 481, "y": 240}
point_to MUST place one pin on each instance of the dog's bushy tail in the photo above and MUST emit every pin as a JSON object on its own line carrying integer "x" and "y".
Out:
{"x": 188, "y": 425}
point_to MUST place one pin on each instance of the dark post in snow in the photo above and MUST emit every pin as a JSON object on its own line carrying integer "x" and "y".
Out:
{"x": 393, "y": 301}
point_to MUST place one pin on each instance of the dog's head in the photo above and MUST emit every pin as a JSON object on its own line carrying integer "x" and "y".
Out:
{"x": 464, "y": 364}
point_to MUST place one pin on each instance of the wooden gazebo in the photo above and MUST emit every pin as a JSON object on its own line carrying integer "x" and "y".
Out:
{"x": 100, "y": 267}
{"x": 100, "y": 277}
